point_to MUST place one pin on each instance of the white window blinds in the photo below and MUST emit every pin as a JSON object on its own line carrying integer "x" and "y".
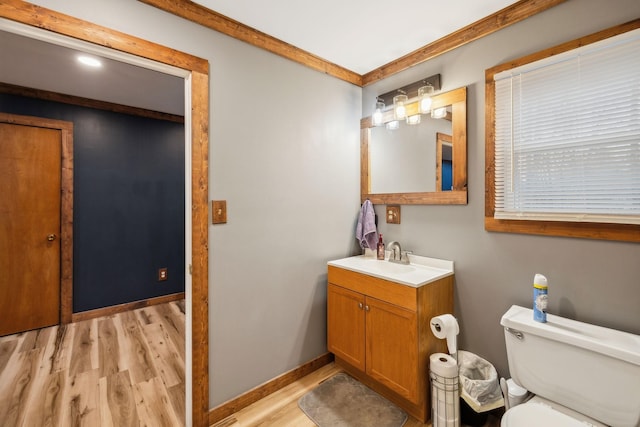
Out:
{"x": 567, "y": 135}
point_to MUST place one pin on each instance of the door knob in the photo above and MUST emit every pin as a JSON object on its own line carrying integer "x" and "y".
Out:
{"x": 51, "y": 237}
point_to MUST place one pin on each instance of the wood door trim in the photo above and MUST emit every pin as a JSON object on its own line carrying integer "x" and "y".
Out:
{"x": 50, "y": 20}
{"x": 88, "y": 103}
{"x": 441, "y": 139}
{"x": 66, "y": 203}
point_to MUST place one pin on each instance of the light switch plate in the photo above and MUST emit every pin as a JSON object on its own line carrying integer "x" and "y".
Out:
{"x": 393, "y": 214}
{"x": 218, "y": 211}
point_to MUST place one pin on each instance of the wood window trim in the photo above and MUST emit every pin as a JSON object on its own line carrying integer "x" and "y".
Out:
{"x": 40, "y": 17}
{"x": 588, "y": 230}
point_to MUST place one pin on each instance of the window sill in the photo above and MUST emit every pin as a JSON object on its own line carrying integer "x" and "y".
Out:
{"x": 590, "y": 230}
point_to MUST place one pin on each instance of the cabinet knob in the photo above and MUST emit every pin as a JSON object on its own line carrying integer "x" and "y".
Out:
{"x": 360, "y": 305}
{"x": 366, "y": 308}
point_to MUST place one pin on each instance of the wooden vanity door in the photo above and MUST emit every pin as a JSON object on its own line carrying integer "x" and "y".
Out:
{"x": 345, "y": 325}
{"x": 392, "y": 347}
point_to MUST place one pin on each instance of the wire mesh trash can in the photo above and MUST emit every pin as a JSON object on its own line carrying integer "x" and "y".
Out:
{"x": 445, "y": 396}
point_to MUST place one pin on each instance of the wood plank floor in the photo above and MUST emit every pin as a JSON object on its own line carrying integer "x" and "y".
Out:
{"x": 280, "y": 409}
{"x": 121, "y": 370}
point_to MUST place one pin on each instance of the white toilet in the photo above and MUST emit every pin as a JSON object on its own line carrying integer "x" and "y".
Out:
{"x": 581, "y": 374}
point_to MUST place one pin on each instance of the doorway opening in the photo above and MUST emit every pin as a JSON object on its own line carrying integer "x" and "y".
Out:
{"x": 81, "y": 35}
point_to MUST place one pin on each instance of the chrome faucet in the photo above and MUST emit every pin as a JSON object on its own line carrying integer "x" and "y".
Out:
{"x": 397, "y": 255}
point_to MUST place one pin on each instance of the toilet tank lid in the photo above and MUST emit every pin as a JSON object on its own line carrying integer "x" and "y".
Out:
{"x": 611, "y": 342}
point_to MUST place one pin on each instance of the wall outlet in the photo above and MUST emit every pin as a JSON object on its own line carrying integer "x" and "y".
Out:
{"x": 162, "y": 274}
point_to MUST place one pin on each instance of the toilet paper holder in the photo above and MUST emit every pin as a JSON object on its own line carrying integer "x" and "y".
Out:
{"x": 446, "y": 327}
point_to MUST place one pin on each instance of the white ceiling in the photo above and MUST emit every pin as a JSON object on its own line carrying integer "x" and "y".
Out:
{"x": 42, "y": 65}
{"x": 360, "y": 35}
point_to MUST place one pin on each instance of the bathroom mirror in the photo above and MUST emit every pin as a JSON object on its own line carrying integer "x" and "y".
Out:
{"x": 417, "y": 164}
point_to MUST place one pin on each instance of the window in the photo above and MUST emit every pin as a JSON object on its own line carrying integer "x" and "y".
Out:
{"x": 563, "y": 139}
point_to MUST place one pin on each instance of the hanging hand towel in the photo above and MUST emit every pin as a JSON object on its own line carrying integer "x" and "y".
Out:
{"x": 366, "y": 231}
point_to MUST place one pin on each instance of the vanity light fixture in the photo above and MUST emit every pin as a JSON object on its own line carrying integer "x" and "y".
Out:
{"x": 377, "y": 114}
{"x": 411, "y": 90}
{"x": 413, "y": 120}
{"x": 90, "y": 61}
{"x": 403, "y": 99}
{"x": 424, "y": 98}
{"x": 439, "y": 113}
{"x": 399, "y": 105}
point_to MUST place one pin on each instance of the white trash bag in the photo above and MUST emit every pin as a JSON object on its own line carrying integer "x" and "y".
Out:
{"x": 479, "y": 383}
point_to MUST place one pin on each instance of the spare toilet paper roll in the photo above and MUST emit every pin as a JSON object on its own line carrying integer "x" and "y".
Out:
{"x": 446, "y": 327}
{"x": 445, "y": 398}
{"x": 443, "y": 365}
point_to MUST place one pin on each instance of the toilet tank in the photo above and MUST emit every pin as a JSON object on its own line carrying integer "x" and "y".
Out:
{"x": 587, "y": 368}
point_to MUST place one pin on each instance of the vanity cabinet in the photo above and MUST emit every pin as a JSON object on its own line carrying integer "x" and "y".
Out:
{"x": 346, "y": 325}
{"x": 379, "y": 332}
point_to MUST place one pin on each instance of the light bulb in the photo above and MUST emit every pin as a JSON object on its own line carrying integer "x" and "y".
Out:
{"x": 424, "y": 96}
{"x": 90, "y": 61}
{"x": 413, "y": 120}
{"x": 399, "y": 107}
{"x": 393, "y": 125}
{"x": 377, "y": 115}
{"x": 439, "y": 113}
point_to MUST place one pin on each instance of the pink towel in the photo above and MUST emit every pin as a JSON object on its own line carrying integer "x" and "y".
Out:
{"x": 366, "y": 231}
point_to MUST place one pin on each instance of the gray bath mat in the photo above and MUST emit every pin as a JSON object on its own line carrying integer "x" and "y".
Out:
{"x": 342, "y": 401}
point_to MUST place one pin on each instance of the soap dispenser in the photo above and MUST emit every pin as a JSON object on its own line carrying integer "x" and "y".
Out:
{"x": 380, "y": 248}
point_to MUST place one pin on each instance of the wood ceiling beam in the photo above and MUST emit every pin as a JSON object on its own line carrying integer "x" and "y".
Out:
{"x": 204, "y": 16}
{"x": 211, "y": 19}
{"x": 488, "y": 25}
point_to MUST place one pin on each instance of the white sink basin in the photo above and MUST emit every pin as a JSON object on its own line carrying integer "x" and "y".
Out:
{"x": 385, "y": 267}
{"x": 420, "y": 271}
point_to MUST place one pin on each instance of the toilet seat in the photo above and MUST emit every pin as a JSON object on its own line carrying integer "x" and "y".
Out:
{"x": 538, "y": 412}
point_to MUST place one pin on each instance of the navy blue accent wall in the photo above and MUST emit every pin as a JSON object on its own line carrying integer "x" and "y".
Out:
{"x": 128, "y": 202}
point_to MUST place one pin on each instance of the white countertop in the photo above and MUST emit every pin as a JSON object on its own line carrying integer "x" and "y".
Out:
{"x": 419, "y": 272}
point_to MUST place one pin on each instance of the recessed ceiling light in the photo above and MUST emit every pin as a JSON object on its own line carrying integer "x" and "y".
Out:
{"x": 90, "y": 61}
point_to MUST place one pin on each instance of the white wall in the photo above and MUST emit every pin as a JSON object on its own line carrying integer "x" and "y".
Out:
{"x": 592, "y": 281}
{"x": 285, "y": 155}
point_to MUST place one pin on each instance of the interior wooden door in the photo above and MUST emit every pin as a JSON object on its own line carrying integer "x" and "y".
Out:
{"x": 30, "y": 227}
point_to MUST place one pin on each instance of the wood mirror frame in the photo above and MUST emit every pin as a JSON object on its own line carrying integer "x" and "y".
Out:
{"x": 457, "y": 99}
